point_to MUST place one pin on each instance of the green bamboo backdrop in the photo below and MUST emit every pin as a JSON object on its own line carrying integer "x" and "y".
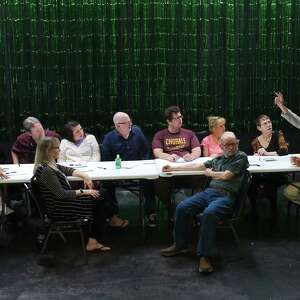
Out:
{"x": 86, "y": 59}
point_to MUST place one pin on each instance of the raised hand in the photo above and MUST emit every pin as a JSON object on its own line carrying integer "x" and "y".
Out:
{"x": 279, "y": 99}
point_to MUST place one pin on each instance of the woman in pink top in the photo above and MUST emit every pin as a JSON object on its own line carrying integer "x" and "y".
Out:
{"x": 211, "y": 143}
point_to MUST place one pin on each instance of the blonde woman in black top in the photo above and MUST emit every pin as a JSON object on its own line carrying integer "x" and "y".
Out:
{"x": 63, "y": 202}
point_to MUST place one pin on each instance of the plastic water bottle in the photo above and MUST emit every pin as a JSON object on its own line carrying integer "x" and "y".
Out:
{"x": 118, "y": 162}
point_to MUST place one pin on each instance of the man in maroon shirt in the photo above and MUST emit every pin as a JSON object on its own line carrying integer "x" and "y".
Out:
{"x": 174, "y": 144}
{"x": 23, "y": 150}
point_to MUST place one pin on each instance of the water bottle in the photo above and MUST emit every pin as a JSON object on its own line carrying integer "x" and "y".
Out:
{"x": 118, "y": 162}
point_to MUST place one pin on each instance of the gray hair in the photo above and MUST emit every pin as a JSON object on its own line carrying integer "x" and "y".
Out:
{"x": 29, "y": 122}
{"x": 227, "y": 135}
{"x": 119, "y": 115}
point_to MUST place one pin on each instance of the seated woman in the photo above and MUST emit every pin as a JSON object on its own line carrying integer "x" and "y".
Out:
{"x": 211, "y": 143}
{"x": 68, "y": 203}
{"x": 268, "y": 143}
{"x": 77, "y": 145}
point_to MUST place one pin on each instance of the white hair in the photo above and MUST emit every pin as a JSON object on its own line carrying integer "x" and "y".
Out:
{"x": 227, "y": 135}
{"x": 119, "y": 115}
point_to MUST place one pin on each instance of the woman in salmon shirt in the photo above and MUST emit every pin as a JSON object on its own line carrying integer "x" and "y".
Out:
{"x": 211, "y": 143}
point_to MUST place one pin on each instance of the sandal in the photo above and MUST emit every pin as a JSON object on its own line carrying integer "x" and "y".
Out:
{"x": 97, "y": 247}
{"x": 123, "y": 224}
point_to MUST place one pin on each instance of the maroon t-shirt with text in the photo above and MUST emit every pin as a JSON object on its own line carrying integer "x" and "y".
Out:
{"x": 179, "y": 143}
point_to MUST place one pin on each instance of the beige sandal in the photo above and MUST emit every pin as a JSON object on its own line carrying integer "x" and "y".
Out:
{"x": 123, "y": 224}
{"x": 97, "y": 247}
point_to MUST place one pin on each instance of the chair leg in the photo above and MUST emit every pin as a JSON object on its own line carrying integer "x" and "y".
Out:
{"x": 236, "y": 237}
{"x": 288, "y": 209}
{"x": 83, "y": 246}
{"x": 141, "y": 212}
{"x": 61, "y": 235}
{"x": 46, "y": 241}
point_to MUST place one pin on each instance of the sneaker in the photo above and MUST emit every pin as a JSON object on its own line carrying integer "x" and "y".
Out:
{"x": 151, "y": 221}
{"x": 173, "y": 251}
{"x": 205, "y": 266}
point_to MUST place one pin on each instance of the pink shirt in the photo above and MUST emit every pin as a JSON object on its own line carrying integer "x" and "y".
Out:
{"x": 213, "y": 148}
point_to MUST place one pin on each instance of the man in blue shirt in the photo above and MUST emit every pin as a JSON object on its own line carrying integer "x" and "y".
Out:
{"x": 129, "y": 142}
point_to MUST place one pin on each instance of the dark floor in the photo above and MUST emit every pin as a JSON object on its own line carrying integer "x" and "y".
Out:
{"x": 266, "y": 266}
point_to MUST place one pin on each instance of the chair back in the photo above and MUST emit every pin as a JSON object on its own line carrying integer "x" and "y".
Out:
{"x": 34, "y": 192}
{"x": 242, "y": 195}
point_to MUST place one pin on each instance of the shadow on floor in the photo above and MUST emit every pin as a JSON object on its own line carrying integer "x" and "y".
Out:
{"x": 267, "y": 265}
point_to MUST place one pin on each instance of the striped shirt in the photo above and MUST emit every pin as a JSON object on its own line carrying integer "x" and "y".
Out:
{"x": 57, "y": 195}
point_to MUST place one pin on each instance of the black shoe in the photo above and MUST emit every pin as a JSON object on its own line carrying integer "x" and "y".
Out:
{"x": 151, "y": 221}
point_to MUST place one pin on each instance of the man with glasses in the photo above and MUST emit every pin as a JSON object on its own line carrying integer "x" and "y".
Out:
{"x": 175, "y": 144}
{"x": 216, "y": 201}
{"x": 129, "y": 142}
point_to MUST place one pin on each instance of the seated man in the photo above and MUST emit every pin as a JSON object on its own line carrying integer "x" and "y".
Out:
{"x": 130, "y": 143}
{"x": 174, "y": 144}
{"x": 216, "y": 201}
{"x": 23, "y": 150}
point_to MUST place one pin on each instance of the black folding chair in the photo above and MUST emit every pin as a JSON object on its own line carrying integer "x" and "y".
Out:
{"x": 53, "y": 226}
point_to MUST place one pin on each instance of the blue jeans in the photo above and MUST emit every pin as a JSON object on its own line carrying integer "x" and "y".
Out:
{"x": 215, "y": 206}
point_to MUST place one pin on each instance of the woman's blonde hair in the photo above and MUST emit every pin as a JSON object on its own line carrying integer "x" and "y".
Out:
{"x": 42, "y": 154}
{"x": 214, "y": 121}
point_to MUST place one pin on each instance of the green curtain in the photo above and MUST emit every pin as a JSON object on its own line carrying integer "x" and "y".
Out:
{"x": 86, "y": 59}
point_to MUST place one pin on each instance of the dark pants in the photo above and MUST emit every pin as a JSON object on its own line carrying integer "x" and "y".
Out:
{"x": 164, "y": 187}
{"x": 146, "y": 188}
{"x": 266, "y": 185}
{"x": 215, "y": 206}
{"x": 102, "y": 210}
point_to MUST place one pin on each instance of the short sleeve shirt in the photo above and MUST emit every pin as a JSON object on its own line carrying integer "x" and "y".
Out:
{"x": 236, "y": 164}
{"x": 25, "y": 146}
{"x": 212, "y": 147}
{"x": 179, "y": 143}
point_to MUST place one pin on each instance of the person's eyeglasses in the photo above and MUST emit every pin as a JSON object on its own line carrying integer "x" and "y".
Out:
{"x": 178, "y": 118}
{"x": 124, "y": 123}
{"x": 227, "y": 145}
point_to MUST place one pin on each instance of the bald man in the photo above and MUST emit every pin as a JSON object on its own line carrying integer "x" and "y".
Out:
{"x": 216, "y": 202}
{"x": 129, "y": 142}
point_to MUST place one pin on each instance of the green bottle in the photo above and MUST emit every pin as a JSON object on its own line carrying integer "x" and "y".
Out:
{"x": 118, "y": 162}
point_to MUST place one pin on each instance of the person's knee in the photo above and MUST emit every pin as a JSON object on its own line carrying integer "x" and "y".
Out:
{"x": 209, "y": 215}
{"x": 181, "y": 207}
{"x": 184, "y": 208}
